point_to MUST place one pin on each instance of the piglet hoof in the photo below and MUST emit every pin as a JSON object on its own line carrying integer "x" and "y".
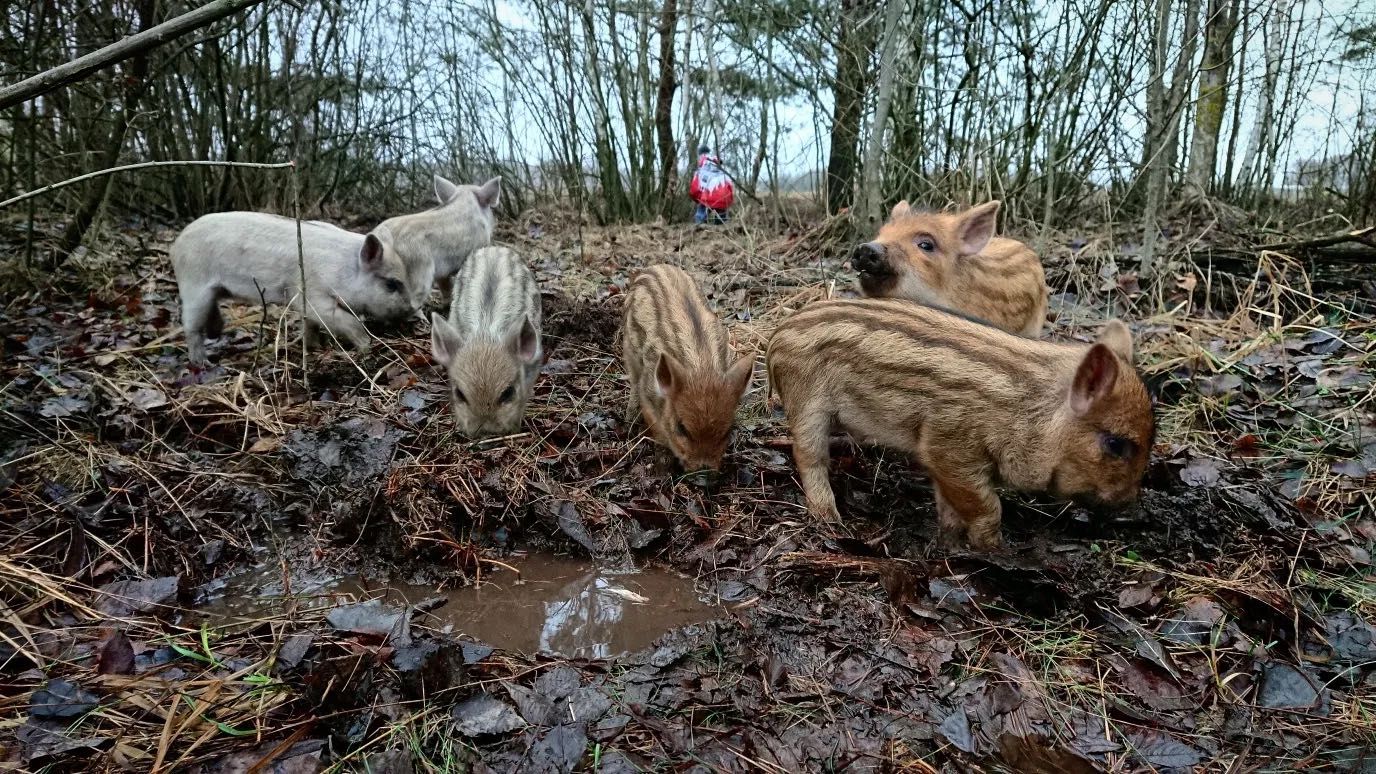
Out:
{"x": 950, "y": 543}
{"x": 825, "y": 515}
{"x": 987, "y": 544}
{"x": 664, "y": 460}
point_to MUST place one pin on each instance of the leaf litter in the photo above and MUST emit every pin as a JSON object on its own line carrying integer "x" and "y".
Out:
{"x": 1098, "y": 642}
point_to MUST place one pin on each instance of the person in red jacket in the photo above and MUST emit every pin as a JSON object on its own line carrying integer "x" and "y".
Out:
{"x": 711, "y": 188}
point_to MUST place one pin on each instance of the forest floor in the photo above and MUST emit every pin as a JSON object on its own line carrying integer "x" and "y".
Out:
{"x": 188, "y": 558}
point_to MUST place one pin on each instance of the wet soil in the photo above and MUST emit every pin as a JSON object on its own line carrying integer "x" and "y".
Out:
{"x": 534, "y": 605}
{"x": 321, "y": 564}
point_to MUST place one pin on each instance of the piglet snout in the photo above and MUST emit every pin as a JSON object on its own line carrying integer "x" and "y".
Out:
{"x": 868, "y": 259}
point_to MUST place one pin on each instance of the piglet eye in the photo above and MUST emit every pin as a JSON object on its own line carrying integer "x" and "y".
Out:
{"x": 458, "y": 396}
{"x": 926, "y": 245}
{"x": 680, "y": 429}
{"x": 507, "y": 394}
{"x": 395, "y": 286}
{"x": 1116, "y": 446}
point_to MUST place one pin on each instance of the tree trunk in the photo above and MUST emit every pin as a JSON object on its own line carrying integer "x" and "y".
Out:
{"x": 853, "y": 47}
{"x": 664, "y": 106}
{"x": 614, "y": 204}
{"x": 1219, "y": 25}
{"x": 1153, "y": 144}
{"x": 871, "y": 203}
{"x": 135, "y": 85}
{"x": 1178, "y": 96}
{"x": 1274, "y": 26}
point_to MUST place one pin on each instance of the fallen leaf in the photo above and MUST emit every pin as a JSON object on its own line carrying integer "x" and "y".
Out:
{"x": 1162, "y": 751}
{"x": 933, "y": 653}
{"x": 1320, "y": 341}
{"x": 1158, "y": 691}
{"x": 294, "y": 649}
{"x": 1136, "y": 595}
{"x": 1358, "y": 467}
{"x": 1346, "y": 376}
{"x": 43, "y": 742}
{"x": 371, "y": 617}
{"x": 268, "y": 443}
{"x": 1194, "y": 623}
{"x": 956, "y": 729}
{"x": 622, "y": 593}
{"x": 115, "y": 654}
{"x": 395, "y": 761}
{"x": 1218, "y": 384}
{"x": 535, "y": 708}
{"x": 300, "y": 758}
{"x": 485, "y": 715}
{"x": 123, "y": 598}
{"x": 1248, "y": 445}
{"x": 1200, "y": 472}
{"x": 62, "y": 699}
{"x": 473, "y": 652}
{"x": 558, "y": 683}
{"x": 63, "y": 406}
{"x": 146, "y": 398}
{"x": 414, "y": 400}
{"x": 587, "y": 704}
{"x": 1352, "y": 639}
{"x": 1284, "y": 686}
{"x": 559, "y": 749}
{"x": 570, "y": 524}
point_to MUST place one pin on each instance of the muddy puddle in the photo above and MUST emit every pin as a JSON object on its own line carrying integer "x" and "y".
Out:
{"x": 551, "y": 605}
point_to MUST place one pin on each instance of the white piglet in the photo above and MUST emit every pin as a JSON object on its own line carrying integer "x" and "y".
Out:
{"x": 252, "y": 256}
{"x": 490, "y": 345}
{"x": 446, "y": 235}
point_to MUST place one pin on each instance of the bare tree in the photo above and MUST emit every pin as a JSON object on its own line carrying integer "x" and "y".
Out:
{"x": 871, "y": 197}
{"x": 1219, "y": 26}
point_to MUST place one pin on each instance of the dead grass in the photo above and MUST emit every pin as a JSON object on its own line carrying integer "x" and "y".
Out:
{"x": 163, "y": 481}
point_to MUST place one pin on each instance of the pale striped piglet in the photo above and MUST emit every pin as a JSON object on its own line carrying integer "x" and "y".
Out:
{"x": 490, "y": 345}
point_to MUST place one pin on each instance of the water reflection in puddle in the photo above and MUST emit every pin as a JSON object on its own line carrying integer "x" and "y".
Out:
{"x": 557, "y": 606}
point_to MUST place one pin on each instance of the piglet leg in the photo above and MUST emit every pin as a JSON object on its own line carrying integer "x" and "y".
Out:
{"x": 339, "y": 324}
{"x": 812, "y": 454}
{"x": 966, "y": 506}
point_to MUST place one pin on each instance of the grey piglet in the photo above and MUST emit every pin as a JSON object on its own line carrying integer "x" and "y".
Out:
{"x": 252, "y": 256}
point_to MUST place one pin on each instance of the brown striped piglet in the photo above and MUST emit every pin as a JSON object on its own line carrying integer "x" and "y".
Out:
{"x": 679, "y": 365}
{"x": 976, "y": 406}
{"x": 953, "y": 260}
{"x": 490, "y": 345}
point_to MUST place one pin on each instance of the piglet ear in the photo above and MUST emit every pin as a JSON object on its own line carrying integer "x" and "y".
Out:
{"x": 526, "y": 342}
{"x": 445, "y": 190}
{"x": 1094, "y": 379}
{"x": 445, "y": 341}
{"x": 977, "y": 227}
{"x": 489, "y": 193}
{"x": 900, "y": 209}
{"x": 666, "y": 375}
{"x": 370, "y": 257}
{"x": 1116, "y": 336}
{"x": 738, "y": 375}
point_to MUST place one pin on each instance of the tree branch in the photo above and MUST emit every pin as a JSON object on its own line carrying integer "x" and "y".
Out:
{"x": 144, "y": 165}
{"x": 81, "y": 67}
